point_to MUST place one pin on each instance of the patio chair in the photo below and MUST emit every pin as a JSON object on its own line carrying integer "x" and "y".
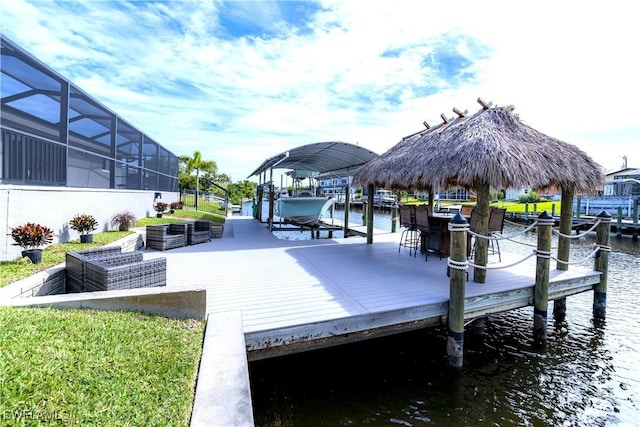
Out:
{"x": 466, "y": 210}
{"x": 75, "y": 263}
{"x": 410, "y": 236}
{"x": 496, "y": 225}
{"x": 166, "y": 236}
{"x": 422, "y": 224}
{"x": 198, "y": 232}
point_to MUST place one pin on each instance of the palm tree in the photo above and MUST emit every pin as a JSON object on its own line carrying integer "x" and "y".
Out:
{"x": 196, "y": 163}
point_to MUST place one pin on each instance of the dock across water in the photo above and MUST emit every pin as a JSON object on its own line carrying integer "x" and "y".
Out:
{"x": 298, "y": 295}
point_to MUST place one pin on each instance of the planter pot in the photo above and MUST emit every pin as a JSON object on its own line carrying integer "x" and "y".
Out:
{"x": 158, "y": 215}
{"x": 35, "y": 255}
{"x": 86, "y": 238}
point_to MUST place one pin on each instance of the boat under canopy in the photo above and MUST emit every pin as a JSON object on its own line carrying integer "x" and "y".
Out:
{"x": 305, "y": 211}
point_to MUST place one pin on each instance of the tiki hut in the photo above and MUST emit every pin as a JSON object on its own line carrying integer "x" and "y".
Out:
{"x": 489, "y": 149}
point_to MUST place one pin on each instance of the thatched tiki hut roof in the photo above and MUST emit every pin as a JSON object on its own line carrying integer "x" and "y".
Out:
{"x": 490, "y": 148}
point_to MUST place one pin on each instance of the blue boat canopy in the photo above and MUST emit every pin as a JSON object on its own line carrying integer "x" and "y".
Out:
{"x": 325, "y": 158}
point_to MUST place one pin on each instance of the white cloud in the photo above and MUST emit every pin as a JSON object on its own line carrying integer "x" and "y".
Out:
{"x": 172, "y": 70}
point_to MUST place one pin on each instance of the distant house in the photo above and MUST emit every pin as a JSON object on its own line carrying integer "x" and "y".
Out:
{"x": 334, "y": 186}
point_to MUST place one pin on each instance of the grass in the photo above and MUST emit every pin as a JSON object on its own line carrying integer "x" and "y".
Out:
{"x": 515, "y": 207}
{"x": 11, "y": 271}
{"x": 181, "y": 215}
{"x": 86, "y": 367}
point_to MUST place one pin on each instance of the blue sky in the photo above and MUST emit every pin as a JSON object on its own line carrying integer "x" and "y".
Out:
{"x": 241, "y": 81}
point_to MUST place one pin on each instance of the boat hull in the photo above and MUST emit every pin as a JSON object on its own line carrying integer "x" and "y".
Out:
{"x": 307, "y": 211}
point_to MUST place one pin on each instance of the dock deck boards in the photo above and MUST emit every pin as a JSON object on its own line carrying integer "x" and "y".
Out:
{"x": 294, "y": 293}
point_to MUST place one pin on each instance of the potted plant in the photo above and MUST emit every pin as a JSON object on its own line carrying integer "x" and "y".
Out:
{"x": 30, "y": 237}
{"x": 123, "y": 220}
{"x": 175, "y": 205}
{"x": 83, "y": 224}
{"x": 160, "y": 207}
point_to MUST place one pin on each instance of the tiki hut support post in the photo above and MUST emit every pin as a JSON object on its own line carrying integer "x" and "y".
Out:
{"x": 541, "y": 290}
{"x": 603, "y": 239}
{"x": 564, "y": 246}
{"x": 347, "y": 206}
{"x": 482, "y": 245}
{"x": 458, "y": 265}
{"x": 370, "y": 191}
{"x": 431, "y": 199}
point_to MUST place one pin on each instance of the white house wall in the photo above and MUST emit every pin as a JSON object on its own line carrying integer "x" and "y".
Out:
{"x": 55, "y": 206}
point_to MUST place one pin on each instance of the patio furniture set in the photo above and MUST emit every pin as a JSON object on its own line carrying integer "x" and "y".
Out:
{"x": 429, "y": 232}
{"x": 108, "y": 268}
{"x": 169, "y": 236}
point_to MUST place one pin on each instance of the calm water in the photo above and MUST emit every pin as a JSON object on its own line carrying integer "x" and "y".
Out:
{"x": 587, "y": 375}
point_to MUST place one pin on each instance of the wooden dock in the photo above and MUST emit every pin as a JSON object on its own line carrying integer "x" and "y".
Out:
{"x": 297, "y": 295}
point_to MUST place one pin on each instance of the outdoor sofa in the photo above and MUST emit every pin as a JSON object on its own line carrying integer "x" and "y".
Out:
{"x": 75, "y": 265}
{"x": 198, "y": 231}
{"x": 108, "y": 268}
{"x": 127, "y": 271}
{"x": 166, "y": 236}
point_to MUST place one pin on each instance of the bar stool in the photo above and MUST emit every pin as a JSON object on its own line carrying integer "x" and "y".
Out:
{"x": 410, "y": 237}
{"x": 422, "y": 224}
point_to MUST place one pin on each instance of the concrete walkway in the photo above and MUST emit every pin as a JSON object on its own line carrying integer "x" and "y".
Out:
{"x": 223, "y": 393}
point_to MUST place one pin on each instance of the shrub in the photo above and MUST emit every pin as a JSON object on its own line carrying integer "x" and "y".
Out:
{"x": 123, "y": 220}
{"x": 529, "y": 197}
{"x": 160, "y": 207}
{"x": 31, "y": 236}
{"x": 177, "y": 205}
{"x": 83, "y": 223}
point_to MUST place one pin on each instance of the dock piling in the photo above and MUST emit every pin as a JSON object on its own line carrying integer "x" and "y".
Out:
{"x": 636, "y": 201}
{"x": 347, "y": 207}
{"x": 541, "y": 290}
{"x": 369, "y": 214}
{"x": 564, "y": 245}
{"x": 560, "y": 309}
{"x": 603, "y": 239}
{"x": 619, "y": 223}
{"x": 458, "y": 265}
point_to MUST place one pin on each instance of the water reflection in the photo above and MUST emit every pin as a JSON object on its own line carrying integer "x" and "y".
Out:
{"x": 586, "y": 375}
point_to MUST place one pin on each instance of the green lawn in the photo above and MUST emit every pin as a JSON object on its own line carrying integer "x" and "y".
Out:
{"x": 99, "y": 368}
{"x": 515, "y": 207}
{"x": 521, "y": 207}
